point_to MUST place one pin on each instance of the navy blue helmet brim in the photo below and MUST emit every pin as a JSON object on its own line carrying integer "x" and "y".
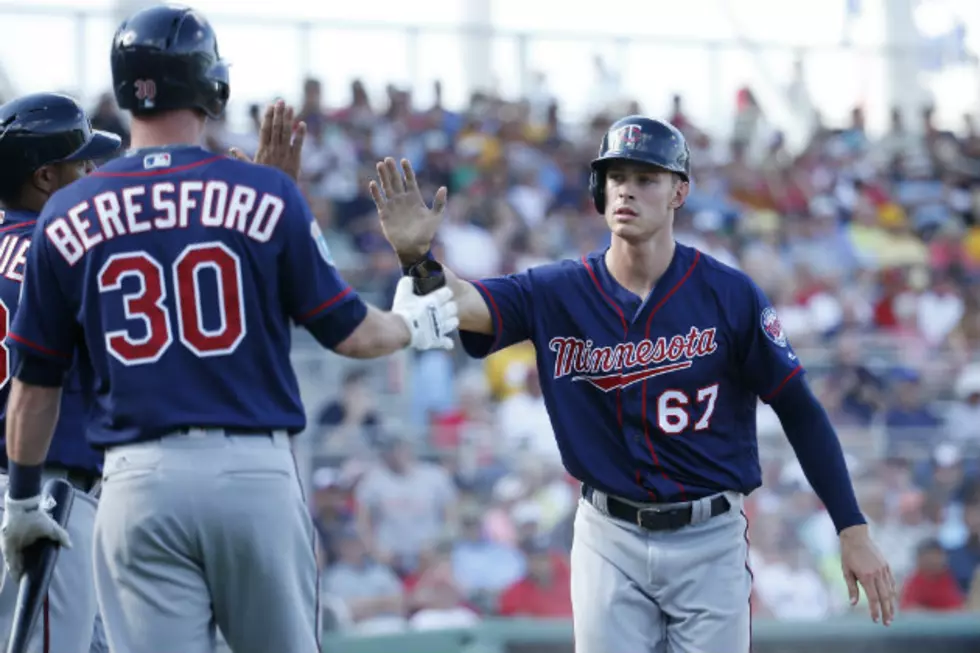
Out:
{"x": 102, "y": 144}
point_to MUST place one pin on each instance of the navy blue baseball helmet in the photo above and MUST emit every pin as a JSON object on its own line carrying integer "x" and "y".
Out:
{"x": 639, "y": 140}
{"x": 165, "y": 58}
{"x": 44, "y": 128}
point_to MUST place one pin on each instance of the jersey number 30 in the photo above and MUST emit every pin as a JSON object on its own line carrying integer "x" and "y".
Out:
{"x": 137, "y": 347}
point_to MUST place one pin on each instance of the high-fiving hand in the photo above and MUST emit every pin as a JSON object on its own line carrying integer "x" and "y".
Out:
{"x": 280, "y": 144}
{"x": 408, "y": 224}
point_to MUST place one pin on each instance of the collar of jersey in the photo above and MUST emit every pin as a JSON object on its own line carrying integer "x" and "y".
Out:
{"x": 143, "y": 151}
{"x": 623, "y": 297}
{"x": 16, "y": 216}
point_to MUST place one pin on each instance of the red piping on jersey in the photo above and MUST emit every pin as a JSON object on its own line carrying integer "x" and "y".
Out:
{"x": 325, "y": 305}
{"x": 619, "y": 392}
{"x": 646, "y": 422}
{"x": 11, "y": 227}
{"x": 160, "y": 171}
{"x": 44, "y": 350}
{"x": 498, "y": 318}
{"x": 772, "y": 395}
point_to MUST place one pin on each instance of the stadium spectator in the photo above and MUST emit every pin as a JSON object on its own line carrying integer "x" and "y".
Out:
{"x": 405, "y": 505}
{"x": 524, "y": 425}
{"x": 931, "y": 586}
{"x": 369, "y": 590}
{"x": 964, "y": 561}
{"x": 480, "y": 565}
{"x": 545, "y": 590}
{"x": 347, "y": 421}
{"x": 434, "y": 598}
{"x": 332, "y": 513}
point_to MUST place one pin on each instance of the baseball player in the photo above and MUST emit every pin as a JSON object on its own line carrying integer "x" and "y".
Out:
{"x": 46, "y": 143}
{"x": 652, "y": 357}
{"x": 175, "y": 275}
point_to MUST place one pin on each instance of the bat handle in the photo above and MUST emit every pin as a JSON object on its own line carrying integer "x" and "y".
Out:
{"x": 427, "y": 276}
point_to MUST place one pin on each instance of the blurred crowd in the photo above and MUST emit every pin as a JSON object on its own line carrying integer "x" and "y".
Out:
{"x": 452, "y": 505}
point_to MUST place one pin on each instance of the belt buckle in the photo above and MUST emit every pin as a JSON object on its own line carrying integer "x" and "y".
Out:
{"x": 641, "y": 511}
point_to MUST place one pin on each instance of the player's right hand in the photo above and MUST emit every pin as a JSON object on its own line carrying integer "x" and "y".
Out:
{"x": 24, "y": 522}
{"x": 280, "y": 144}
{"x": 407, "y": 223}
{"x": 430, "y": 318}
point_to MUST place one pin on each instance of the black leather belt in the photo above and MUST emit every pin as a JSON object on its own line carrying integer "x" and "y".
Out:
{"x": 653, "y": 518}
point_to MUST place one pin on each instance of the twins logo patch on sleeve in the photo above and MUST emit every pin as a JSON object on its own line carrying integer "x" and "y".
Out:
{"x": 771, "y": 326}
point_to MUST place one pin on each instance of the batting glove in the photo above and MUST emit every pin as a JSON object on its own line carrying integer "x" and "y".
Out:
{"x": 430, "y": 318}
{"x": 24, "y": 522}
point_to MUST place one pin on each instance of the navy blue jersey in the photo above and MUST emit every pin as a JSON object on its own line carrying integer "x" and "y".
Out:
{"x": 655, "y": 399}
{"x": 177, "y": 273}
{"x": 68, "y": 447}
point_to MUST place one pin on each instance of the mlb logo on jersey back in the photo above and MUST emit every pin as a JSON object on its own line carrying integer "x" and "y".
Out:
{"x": 156, "y": 160}
{"x": 772, "y": 327}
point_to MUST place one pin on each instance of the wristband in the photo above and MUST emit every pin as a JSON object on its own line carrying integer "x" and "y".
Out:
{"x": 24, "y": 481}
{"x": 407, "y": 269}
{"x": 427, "y": 276}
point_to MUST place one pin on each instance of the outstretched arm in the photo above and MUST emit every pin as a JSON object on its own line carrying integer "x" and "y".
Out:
{"x": 358, "y": 330}
{"x": 410, "y": 226}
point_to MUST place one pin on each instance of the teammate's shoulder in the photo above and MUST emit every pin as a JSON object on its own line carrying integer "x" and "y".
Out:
{"x": 16, "y": 222}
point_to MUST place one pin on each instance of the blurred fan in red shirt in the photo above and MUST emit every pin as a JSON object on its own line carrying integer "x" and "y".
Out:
{"x": 545, "y": 591}
{"x": 931, "y": 586}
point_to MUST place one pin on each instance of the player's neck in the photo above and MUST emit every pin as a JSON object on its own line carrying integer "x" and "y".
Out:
{"x": 638, "y": 266}
{"x": 172, "y": 128}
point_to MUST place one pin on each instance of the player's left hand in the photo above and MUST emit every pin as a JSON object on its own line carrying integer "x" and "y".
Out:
{"x": 863, "y": 564}
{"x": 280, "y": 144}
{"x": 407, "y": 223}
{"x": 24, "y": 522}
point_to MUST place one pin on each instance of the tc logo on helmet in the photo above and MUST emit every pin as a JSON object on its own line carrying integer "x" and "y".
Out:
{"x": 630, "y": 137}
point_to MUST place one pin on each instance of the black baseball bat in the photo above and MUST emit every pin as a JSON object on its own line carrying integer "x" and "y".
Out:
{"x": 39, "y": 560}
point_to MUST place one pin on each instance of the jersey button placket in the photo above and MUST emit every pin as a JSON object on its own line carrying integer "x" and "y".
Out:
{"x": 635, "y": 404}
